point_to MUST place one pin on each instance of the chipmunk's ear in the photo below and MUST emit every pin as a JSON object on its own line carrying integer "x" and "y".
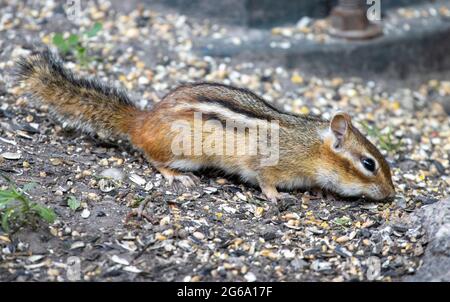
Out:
{"x": 339, "y": 124}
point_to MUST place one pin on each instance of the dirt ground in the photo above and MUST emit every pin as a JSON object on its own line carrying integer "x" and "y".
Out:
{"x": 222, "y": 229}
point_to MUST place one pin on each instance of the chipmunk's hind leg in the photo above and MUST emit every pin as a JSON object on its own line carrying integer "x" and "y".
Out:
{"x": 175, "y": 177}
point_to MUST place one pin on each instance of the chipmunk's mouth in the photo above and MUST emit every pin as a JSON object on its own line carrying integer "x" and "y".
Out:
{"x": 384, "y": 199}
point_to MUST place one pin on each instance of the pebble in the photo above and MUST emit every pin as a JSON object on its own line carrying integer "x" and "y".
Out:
{"x": 210, "y": 190}
{"x": 132, "y": 269}
{"x": 299, "y": 264}
{"x": 85, "y": 213}
{"x": 199, "y": 235}
{"x": 103, "y": 162}
{"x": 77, "y": 245}
{"x": 250, "y": 277}
{"x": 11, "y": 155}
{"x": 342, "y": 239}
{"x": 112, "y": 173}
{"x": 318, "y": 265}
{"x": 342, "y": 251}
{"x": 137, "y": 179}
{"x": 93, "y": 196}
{"x": 373, "y": 268}
{"x": 149, "y": 186}
{"x": 241, "y": 196}
{"x": 120, "y": 260}
{"x": 106, "y": 185}
{"x": 143, "y": 80}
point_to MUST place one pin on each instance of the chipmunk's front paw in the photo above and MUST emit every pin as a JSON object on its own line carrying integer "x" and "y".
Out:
{"x": 177, "y": 179}
{"x": 276, "y": 197}
{"x": 188, "y": 180}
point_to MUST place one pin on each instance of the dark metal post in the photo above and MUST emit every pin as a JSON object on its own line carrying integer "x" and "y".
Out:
{"x": 349, "y": 20}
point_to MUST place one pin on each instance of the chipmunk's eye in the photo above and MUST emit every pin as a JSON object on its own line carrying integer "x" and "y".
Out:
{"x": 368, "y": 163}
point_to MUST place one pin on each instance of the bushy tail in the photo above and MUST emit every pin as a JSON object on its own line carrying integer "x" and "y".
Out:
{"x": 81, "y": 103}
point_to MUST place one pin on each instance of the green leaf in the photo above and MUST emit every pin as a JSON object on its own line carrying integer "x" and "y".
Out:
{"x": 5, "y": 218}
{"x": 73, "y": 203}
{"x": 45, "y": 213}
{"x": 61, "y": 43}
{"x": 73, "y": 40}
{"x": 4, "y": 201}
{"x": 343, "y": 221}
{"x": 58, "y": 39}
{"x": 94, "y": 30}
{"x": 6, "y": 196}
{"x": 81, "y": 50}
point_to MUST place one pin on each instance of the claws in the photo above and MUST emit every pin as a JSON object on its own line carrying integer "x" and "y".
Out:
{"x": 188, "y": 180}
{"x": 177, "y": 180}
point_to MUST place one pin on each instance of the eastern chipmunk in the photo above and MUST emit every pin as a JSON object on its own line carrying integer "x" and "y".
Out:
{"x": 312, "y": 152}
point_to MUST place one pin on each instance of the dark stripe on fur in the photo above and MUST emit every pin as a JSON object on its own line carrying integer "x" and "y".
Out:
{"x": 25, "y": 68}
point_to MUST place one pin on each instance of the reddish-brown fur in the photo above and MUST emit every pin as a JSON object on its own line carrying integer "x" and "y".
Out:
{"x": 312, "y": 151}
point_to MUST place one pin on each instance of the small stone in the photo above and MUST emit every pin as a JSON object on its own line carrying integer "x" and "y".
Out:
{"x": 210, "y": 190}
{"x": 149, "y": 186}
{"x": 290, "y": 216}
{"x": 342, "y": 239}
{"x": 304, "y": 22}
{"x": 35, "y": 258}
{"x": 11, "y": 155}
{"x": 319, "y": 266}
{"x": 137, "y": 179}
{"x": 165, "y": 220}
{"x": 132, "y": 32}
{"x": 160, "y": 237}
{"x": 426, "y": 200}
{"x": 143, "y": 81}
{"x": 106, "y": 185}
{"x": 112, "y": 173}
{"x": 198, "y": 235}
{"x": 250, "y": 277}
{"x": 132, "y": 269}
{"x": 342, "y": 251}
{"x": 119, "y": 260}
{"x": 400, "y": 228}
{"x": 373, "y": 268}
{"x": 296, "y": 79}
{"x": 259, "y": 211}
{"x": 77, "y": 245}
{"x": 56, "y": 161}
{"x": 86, "y": 173}
{"x": 241, "y": 196}
{"x": 103, "y": 162}
{"x": 298, "y": 263}
{"x": 85, "y": 213}
{"x": 93, "y": 196}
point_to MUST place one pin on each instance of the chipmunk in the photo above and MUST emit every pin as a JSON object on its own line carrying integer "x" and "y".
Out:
{"x": 312, "y": 152}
